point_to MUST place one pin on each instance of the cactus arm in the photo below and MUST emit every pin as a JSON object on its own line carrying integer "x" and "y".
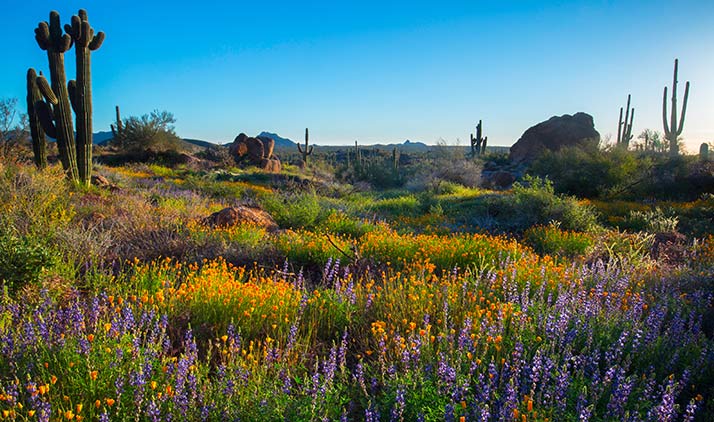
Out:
{"x": 300, "y": 149}
{"x": 619, "y": 128}
{"x": 46, "y": 118}
{"x": 72, "y": 91}
{"x": 684, "y": 109}
{"x": 45, "y": 90}
{"x": 39, "y": 143}
{"x": 629, "y": 130}
{"x": 97, "y": 41}
{"x": 311, "y": 148}
{"x": 664, "y": 113}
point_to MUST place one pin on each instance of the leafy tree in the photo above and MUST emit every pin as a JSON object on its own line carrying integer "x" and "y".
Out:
{"x": 13, "y": 126}
{"x": 154, "y": 131}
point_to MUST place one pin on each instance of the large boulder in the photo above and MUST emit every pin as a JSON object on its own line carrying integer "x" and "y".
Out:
{"x": 241, "y": 214}
{"x": 258, "y": 151}
{"x": 554, "y": 134}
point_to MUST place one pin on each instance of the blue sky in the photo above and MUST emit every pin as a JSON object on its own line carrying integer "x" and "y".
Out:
{"x": 382, "y": 71}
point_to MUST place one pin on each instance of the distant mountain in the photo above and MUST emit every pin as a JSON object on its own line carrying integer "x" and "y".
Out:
{"x": 279, "y": 141}
{"x": 417, "y": 145}
{"x": 200, "y": 143}
{"x": 101, "y": 138}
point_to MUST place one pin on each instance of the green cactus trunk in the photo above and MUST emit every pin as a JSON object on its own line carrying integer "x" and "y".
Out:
{"x": 39, "y": 143}
{"x": 55, "y": 114}
{"x": 308, "y": 149}
{"x": 81, "y": 91}
{"x": 674, "y": 129}
{"x": 63, "y": 116}
{"x": 83, "y": 110}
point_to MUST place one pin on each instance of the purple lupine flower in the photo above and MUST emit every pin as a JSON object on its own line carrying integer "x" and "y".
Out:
{"x": 690, "y": 411}
{"x": 399, "y": 406}
{"x": 153, "y": 411}
{"x": 666, "y": 410}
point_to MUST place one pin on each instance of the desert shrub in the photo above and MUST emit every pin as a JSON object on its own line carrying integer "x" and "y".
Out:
{"x": 552, "y": 240}
{"x": 532, "y": 202}
{"x": 590, "y": 172}
{"x": 376, "y": 168}
{"x": 677, "y": 178}
{"x": 23, "y": 259}
{"x": 154, "y": 131}
{"x": 293, "y": 210}
{"x": 397, "y": 205}
{"x": 340, "y": 223}
{"x": 651, "y": 221}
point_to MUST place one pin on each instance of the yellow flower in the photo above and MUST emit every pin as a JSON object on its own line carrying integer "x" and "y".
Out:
{"x": 69, "y": 415}
{"x": 110, "y": 402}
{"x": 93, "y": 375}
{"x": 79, "y": 408}
{"x": 30, "y": 413}
{"x": 97, "y": 403}
{"x": 53, "y": 380}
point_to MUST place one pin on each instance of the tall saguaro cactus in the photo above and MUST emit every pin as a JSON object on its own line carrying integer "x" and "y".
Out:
{"x": 675, "y": 127}
{"x": 55, "y": 113}
{"x": 624, "y": 129}
{"x": 478, "y": 144}
{"x": 308, "y": 149}
{"x": 80, "y": 91}
{"x": 39, "y": 144}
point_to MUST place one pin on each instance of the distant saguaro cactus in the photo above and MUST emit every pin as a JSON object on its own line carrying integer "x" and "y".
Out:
{"x": 675, "y": 127}
{"x": 55, "y": 113}
{"x": 478, "y": 144}
{"x": 39, "y": 143}
{"x": 704, "y": 152}
{"x": 308, "y": 149}
{"x": 624, "y": 129}
{"x": 80, "y": 91}
{"x": 118, "y": 130}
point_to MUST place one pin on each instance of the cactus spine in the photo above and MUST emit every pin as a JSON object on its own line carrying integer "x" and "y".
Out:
{"x": 624, "y": 129}
{"x": 80, "y": 91}
{"x": 39, "y": 144}
{"x": 308, "y": 149}
{"x": 54, "y": 113}
{"x": 478, "y": 144}
{"x": 674, "y": 130}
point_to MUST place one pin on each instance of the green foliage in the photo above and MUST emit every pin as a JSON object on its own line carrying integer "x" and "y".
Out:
{"x": 23, "y": 260}
{"x": 589, "y": 172}
{"x": 532, "y": 202}
{"x": 295, "y": 210}
{"x": 552, "y": 240}
{"x": 154, "y": 131}
{"x": 651, "y": 221}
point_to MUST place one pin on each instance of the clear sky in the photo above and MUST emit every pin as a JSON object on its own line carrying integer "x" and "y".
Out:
{"x": 382, "y": 71}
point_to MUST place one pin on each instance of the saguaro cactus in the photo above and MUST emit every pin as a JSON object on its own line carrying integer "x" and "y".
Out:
{"x": 624, "y": 129}
{"x": 675, "y": 127}
{"x": 704, "y": 152}
{"x": 308, "y": 150}
{"x": 118, "y": 130}
{"x": 478, "y": 144}
{"x": 39, "y": 144}
{"x": 55, "y": 113}
{"x": 80, "y": 91}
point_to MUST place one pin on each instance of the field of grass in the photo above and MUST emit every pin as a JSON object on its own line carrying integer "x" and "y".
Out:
{"x": 440, "y": 303}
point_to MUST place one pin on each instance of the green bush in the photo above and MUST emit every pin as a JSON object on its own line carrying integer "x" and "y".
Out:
{"x": 590, "y": 172}
{"x": 23, "y": 260}
{"x": 294, "y": 210}
{"x": 652, "y": 221}
{"x": 152, "y": 131}
{"x": 531, "y": 202}
{"x": 552, "y": 240}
